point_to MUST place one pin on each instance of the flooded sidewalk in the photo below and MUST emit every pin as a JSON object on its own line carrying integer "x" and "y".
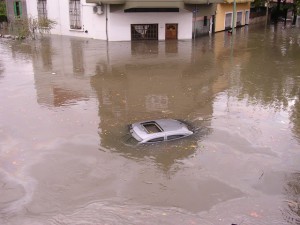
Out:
{"x": 66, "y": 102}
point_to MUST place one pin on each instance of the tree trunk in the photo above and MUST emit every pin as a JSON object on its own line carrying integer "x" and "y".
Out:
{"x": 295, "y": 13}
{"x": 277, "y": 11}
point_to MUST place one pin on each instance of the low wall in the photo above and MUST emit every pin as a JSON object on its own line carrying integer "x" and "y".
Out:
{"x": 3, "y": 25}
{"x": 260, "y": 19}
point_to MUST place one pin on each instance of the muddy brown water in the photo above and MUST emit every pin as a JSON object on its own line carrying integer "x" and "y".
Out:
{"x": 65, "y": 104}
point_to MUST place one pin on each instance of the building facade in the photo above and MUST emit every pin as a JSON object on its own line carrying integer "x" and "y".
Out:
{"x": 16, "y": 9}
{"x": 125, "y": 20}
{"x": 224, "y": 14}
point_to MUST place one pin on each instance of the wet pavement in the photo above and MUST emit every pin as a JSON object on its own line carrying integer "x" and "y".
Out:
{"x": 66, "y": 102}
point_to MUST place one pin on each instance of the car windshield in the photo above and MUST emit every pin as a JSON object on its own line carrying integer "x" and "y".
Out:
{"x": 130, "y": 140}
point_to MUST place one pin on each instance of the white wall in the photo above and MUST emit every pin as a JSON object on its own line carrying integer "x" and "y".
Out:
{"x": 119, "y": 24}
{"x": 94, "y": 25}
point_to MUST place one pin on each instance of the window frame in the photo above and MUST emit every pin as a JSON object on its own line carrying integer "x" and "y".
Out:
{"x": 239, "y": 13}
{"x": 172, "y": 135}
{"x": 230, "y": 25}
{"x": 17, "y": 9}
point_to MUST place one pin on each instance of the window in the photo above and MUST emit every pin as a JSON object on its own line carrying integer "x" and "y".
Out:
{"x": 228, "y": 21}
{"x": 247, "y": 17}
{"x": 173, "y": 137}
{"x": 239, "y": 19}
{"x": 144, "y": 31}
{"x": 75, "y": 16}
{"x": 42, "y": 9}
{"x": 18, "y": 8}
{"x": 156, "y": 140}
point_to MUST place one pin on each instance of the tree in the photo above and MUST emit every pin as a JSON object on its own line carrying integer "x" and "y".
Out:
{"x": 296, "y": 10}
{"x": 2, "y": 8}
{"x": 3, "y": 17}
{"x": 30, "y": 27}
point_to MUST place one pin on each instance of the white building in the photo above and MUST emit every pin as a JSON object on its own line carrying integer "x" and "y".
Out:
{"x": 125, "y": 20}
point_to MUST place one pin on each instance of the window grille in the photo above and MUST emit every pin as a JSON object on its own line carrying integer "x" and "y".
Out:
{"x": 74, "y": 12}
{"x": 144, "y": 31}
{"x": 42, "y": 9}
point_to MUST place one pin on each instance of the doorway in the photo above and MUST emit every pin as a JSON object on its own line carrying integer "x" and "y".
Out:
{"x": 228, "y": 21}
{"x": 171, "y": 31}
{"x": 247, "y": 17}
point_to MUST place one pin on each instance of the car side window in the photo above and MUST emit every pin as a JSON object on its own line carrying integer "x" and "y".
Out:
{"x": 172, "y": 137}
{"x": 156, "y": 140}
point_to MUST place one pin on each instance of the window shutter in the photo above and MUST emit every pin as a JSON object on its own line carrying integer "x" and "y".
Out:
{"x": 20, "y": 8}
{"x": 15, "y": 8}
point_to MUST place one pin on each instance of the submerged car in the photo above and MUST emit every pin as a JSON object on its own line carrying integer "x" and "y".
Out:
{"x": 159, "y": 130}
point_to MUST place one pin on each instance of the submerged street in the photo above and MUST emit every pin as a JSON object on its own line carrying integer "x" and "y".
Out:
{"x": 66, "y": 102}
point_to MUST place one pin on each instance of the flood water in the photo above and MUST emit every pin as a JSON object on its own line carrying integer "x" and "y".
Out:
{"x": 65, "y": 104}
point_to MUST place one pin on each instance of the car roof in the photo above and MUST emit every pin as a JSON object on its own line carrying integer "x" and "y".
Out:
{"x": 168, "y": 127}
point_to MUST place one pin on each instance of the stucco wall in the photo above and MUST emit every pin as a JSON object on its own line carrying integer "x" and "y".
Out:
{"x": 118, "y": 29}
{"x": 10, "y": 9}
{"x": 222, "y": 9}
{"x": 119, "y": 24}
{"x": 93, "y": 25}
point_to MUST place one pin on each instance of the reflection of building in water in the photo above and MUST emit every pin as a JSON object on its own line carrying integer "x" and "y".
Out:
{"x": 55, "y": 64}
{"x": 156, "y": 102}
{"x": 148, "y": 81}
{"x": 77, "y": 56}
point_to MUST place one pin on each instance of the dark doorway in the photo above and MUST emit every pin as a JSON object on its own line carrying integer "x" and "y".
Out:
{"x": 171, "y": 31}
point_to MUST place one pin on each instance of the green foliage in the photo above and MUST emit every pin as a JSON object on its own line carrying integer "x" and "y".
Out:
{"x": 259, "y": 3}
{"x": 19, "y": 28}
{"x": 45, "y": 25}
{"x": 3, "y": 18}
{"x": 297, "y": 2}
{"x": 30, "y": 27}
{"x": 2, "y": 8}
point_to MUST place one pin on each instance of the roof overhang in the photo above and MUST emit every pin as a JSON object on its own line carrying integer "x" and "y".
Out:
{"x": 154, "y": 4}
{"x": 106, "y": 1}
{"x": 117, "y": 5}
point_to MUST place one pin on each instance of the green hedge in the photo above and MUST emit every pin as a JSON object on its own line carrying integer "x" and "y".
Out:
{"x": 3, "y": 18}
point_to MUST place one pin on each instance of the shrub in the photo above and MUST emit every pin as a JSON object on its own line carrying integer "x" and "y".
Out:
{"x": 30, "y": 27}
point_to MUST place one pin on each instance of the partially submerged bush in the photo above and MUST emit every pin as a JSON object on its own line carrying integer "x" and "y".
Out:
{"x": 30, "y": 27}
{"x": 19, "y": 28}
{"x": 3, "y": 18}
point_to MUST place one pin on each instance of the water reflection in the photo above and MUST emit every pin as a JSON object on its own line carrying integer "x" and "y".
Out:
{"x": 148, "y": 80}
{"x": 242, "y": 92}
{"x": 291, "y": 211}
{"x": 1, "y": 70}
{"x": 136, "y": 88}
{"x": 46, "y": 53}
{"x": 77, "y": 56}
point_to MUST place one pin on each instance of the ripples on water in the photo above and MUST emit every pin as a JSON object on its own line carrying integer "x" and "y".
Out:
{"x": 68, "y": 101}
